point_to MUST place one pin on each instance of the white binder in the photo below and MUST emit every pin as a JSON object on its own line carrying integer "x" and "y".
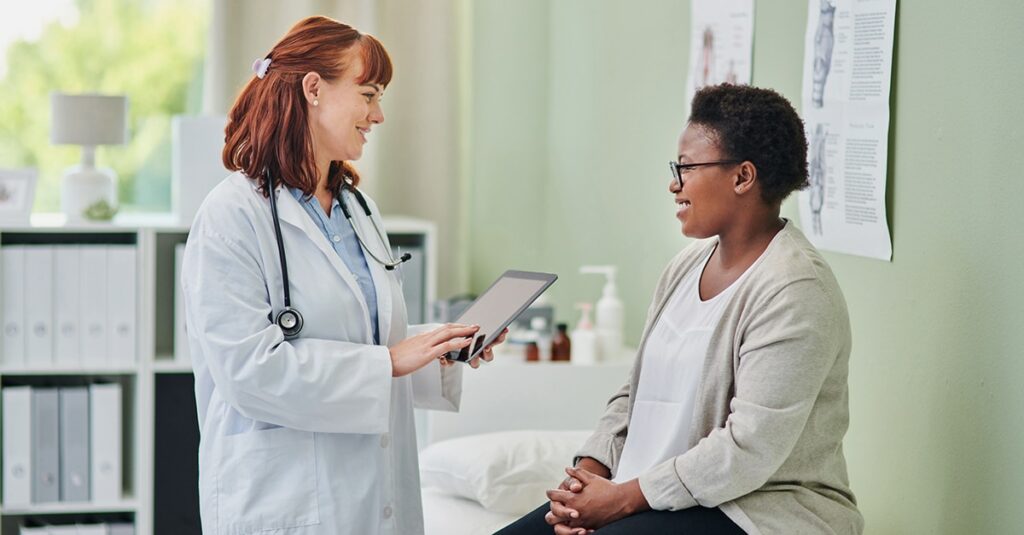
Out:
{"x": 121, "y": 529}
{"x": 45, "y": 446}
{"x": 67, "y": 273}
{"x": 91, "y": 529}
{"x": 105, "y": 442}
{"x": 74, "y": 444}
{"x": 17, "y": 450}
{"x": 92, "y": 305}
{"x": 181, "y": 353}
{"x": 121, "y": 292}
{"x": 12, "y": 262}
{"x": 39, "y": 307}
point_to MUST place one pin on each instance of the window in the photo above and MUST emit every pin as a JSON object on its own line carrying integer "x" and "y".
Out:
{"x": 149, "y": 50}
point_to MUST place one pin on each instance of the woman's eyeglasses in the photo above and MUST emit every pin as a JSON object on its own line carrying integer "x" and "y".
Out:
{"x": 680, "y": 169}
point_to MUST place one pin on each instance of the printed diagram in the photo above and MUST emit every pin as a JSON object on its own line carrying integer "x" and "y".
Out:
{"x": 824, "y": 39}
{"x": 706, "y": 61}
{"x": 817, "y": 172}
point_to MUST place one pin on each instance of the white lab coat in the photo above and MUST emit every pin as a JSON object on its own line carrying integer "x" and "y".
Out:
{"x": 311, "y": 436}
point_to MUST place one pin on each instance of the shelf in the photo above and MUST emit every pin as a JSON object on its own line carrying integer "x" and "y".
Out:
{"x": 123, "y": 369}
{"x": 171, "y": 366}
{"x": 63, "y": 508}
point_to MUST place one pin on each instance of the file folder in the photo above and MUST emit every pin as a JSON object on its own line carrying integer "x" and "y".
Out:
{"x": 45, "y": 447}
{"x": 93, "y": 304}
{"x": 181, "y": 353}
{"x": 105, "y": 442}
{"x": 17, "y": 450}
{"x": 39, "y": 307}
{"x": 12, "y": 262}
{"x": 67, "y": 273}
{"x": 121, "y": 292}
{"x": 74, "y": 444}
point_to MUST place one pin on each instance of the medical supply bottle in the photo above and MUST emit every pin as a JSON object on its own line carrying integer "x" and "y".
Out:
{"x": 539, "y": 325}
{"x": 532, "y": 352}
{"x": 561, "y": 346}
{"x": 584, "y": 339}
{"x": 608, "y": 314}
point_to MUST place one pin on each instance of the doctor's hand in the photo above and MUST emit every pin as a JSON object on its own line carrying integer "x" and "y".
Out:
{"x": 488, "y": 352}
{"x": 601, "y": 501}
{"x": 417, "y": 351}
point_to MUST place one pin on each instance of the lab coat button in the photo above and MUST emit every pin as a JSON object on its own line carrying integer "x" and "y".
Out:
{"x": 336, "y": 238}
{"x": 385, "y": 439}
{"x": 388, "y": 511}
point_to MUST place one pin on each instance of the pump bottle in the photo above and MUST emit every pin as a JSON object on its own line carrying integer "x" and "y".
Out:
{"x": 584, "y": 339}
{"x": 608, "y": 314}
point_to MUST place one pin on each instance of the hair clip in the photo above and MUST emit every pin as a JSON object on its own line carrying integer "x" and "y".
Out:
{"x": 260, "y": 67}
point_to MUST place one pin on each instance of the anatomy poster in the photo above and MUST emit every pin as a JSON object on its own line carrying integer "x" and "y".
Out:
{"x": 847, "y": 73}
{"x": 721, "y": 42}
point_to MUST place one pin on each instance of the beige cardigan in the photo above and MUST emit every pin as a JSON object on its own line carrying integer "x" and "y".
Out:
{"x": 766, "y": 439}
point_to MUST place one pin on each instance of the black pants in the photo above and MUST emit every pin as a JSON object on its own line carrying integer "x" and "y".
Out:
{"x": 693, "y": 521}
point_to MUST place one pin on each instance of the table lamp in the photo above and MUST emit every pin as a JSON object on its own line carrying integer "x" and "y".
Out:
{"x": 88, "y": 120}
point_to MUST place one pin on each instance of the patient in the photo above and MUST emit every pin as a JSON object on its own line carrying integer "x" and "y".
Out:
{"x": 733, "y": 417}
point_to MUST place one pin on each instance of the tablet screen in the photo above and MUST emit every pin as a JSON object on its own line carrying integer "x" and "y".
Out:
{"x": 499, "y": 306}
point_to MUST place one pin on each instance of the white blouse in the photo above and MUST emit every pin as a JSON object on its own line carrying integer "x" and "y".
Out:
{"x": 673, "y": 360}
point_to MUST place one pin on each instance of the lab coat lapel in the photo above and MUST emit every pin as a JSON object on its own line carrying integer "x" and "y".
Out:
{"x": 381, "y": 278}
{"x": 289, "y": 211}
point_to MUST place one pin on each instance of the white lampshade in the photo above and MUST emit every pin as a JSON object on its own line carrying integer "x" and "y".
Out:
{"x": 88, "y": 119}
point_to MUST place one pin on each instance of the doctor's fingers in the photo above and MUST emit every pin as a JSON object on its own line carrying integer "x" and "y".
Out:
{"x": 443, "y": 348}
{"x": 450, "y": 331}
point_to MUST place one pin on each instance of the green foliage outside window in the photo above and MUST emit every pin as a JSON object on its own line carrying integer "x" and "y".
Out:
{"x": 151, "y": 51}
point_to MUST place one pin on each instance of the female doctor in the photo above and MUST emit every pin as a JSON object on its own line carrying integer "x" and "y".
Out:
{"x": 305, "y": 371}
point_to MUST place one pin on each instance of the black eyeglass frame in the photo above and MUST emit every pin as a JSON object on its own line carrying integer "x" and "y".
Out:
{"x": 676, "y": 168}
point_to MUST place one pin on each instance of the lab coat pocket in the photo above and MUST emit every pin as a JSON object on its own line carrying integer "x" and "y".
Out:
{"x": 266, "y": 480}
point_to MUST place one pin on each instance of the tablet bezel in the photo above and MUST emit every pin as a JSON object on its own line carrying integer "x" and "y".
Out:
{"x": 478, "y": 347}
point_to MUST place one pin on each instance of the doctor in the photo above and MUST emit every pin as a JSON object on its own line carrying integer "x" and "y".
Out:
{"x": 305, "y": 372}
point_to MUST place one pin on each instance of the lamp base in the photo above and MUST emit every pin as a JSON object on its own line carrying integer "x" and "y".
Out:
{"x": 83, "y": 187}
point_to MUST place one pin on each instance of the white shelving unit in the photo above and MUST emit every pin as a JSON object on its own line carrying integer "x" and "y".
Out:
{"x": 155, "y": 237}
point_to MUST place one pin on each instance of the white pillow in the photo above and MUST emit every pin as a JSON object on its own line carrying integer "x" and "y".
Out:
{"x": 506, "y": 472}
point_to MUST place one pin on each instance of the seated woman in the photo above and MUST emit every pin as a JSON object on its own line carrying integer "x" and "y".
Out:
{"x": 733, "y": 418}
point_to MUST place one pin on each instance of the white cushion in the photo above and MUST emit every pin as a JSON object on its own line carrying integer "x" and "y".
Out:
{"x": 506, "y": 472}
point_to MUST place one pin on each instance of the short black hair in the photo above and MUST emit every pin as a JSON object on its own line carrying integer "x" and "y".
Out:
{"x": 756, "y": 125}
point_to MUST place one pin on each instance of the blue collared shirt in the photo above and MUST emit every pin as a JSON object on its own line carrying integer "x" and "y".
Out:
{"x": 342, "y": 236}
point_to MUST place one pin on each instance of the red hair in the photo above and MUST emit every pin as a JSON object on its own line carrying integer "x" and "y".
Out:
{"x": 268, "y": 127}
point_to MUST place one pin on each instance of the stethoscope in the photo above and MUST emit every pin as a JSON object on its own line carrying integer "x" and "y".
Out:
{"x": 289, "y": 319}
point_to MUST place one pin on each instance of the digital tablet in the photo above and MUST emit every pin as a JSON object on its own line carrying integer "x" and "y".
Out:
{"x": 499, "y": 306}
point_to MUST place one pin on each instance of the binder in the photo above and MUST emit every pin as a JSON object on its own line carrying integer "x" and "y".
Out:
{"x": 92, "y": 305}
{"x": 105, "y": 442}
{"x": 17, "y": 449}
{"x": 121, "y": 292}
{"x": 181, "y": 352}
{"x": 39, "y": 307}
{"x": 122, "y": 528}
{"x": 12, "y": 262}
{"x": 67, "y": 273}
{"x": 91, "y": 529}
{"x": 74, "y": 444}
{"x": 45, "y": 446}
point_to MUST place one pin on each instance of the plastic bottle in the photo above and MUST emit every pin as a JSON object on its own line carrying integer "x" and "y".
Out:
{"x": 561, "y": 346}
{"x": 584, "y": 338}
{"x": 608, "y": 314}
{"x": 539, "y": 325}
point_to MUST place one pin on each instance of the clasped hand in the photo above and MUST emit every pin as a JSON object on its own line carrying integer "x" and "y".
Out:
{"x": 586, "y": 501}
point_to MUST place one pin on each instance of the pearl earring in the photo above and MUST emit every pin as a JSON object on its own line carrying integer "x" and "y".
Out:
{"x": 316, "y": 102}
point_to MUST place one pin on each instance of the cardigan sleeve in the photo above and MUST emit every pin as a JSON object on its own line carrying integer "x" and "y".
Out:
{"x": 785, "y": 355}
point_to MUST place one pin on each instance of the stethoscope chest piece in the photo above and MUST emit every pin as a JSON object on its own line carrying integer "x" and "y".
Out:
{"x": 290, "y": 322}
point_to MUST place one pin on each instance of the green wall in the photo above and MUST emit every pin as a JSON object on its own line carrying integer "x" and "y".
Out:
{"x": 576, "y": 106}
